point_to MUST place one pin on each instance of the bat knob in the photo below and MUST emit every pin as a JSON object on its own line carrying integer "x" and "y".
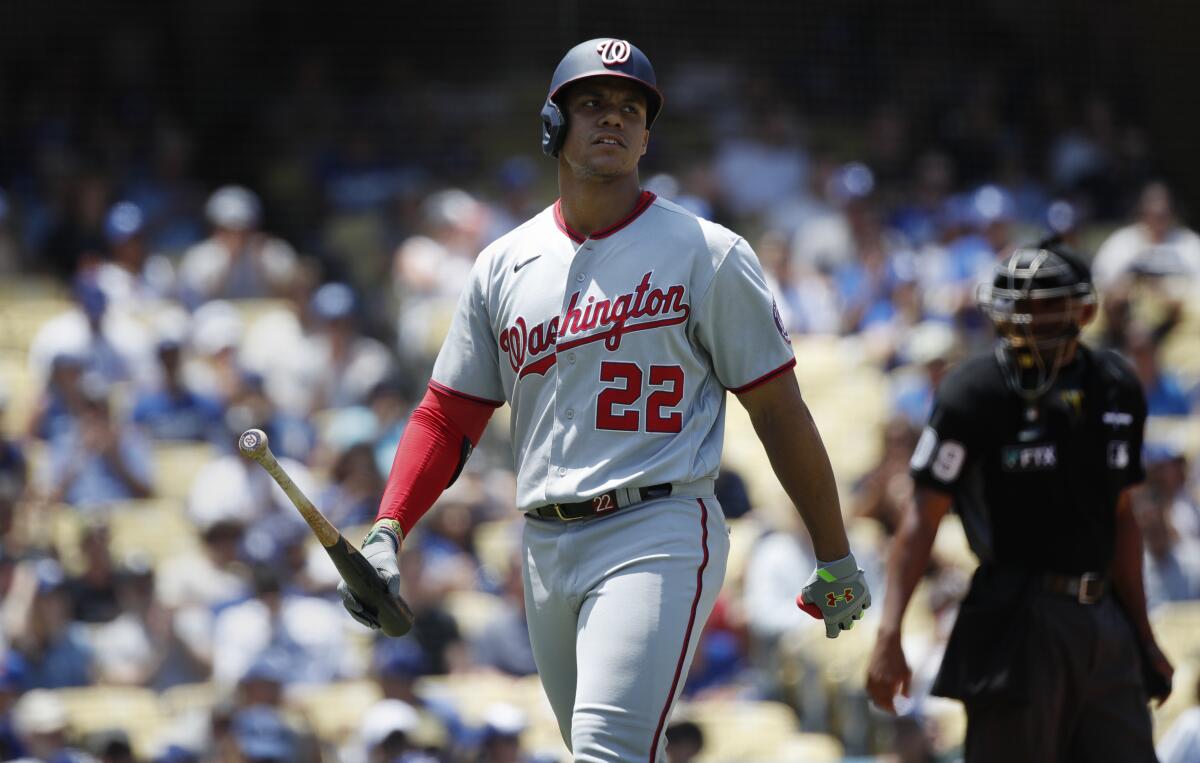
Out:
{"x": 252, "y": 442}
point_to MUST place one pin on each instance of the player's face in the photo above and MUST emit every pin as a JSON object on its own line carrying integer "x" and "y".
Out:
{"x": 606, "y": 127}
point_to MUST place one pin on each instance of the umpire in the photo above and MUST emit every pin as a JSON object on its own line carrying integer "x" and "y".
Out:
{"x": 1036, "y": 445}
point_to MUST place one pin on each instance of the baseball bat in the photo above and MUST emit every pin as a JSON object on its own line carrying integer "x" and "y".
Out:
{"x": 392, "y": 612}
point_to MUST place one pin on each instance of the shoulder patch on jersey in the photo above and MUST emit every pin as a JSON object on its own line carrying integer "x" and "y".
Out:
{"x": 779, "y": 322}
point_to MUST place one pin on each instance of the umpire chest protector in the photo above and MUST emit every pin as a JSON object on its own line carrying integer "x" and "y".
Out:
{"x": 1037, "y": 482}
{"x": 602, "y": 57}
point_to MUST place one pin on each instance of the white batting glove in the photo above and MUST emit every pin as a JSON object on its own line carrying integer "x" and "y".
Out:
{"x": 837, "y": 593}
{"x": 380, "y": 548}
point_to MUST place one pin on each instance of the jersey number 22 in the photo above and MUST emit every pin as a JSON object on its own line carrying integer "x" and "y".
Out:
{"x": 666, "y": 383}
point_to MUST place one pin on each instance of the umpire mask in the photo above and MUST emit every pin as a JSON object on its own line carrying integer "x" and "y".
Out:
{"x": 1038, "y": 300}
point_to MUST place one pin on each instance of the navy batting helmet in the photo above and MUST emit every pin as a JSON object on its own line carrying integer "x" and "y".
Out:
{"x": 602, "y": 57}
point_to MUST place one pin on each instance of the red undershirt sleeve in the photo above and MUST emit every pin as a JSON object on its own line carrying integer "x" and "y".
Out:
{"x": 431, "y": 453}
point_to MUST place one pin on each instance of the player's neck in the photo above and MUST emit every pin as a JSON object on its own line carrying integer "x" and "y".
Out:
{"x": 591, "y": 204}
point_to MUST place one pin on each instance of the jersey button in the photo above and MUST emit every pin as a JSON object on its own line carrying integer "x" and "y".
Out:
{"x": 571, "y": 358}
{"x": 570, "y": 413}
{"x": 562, "y": 470}
{"x": 579, "y": 278}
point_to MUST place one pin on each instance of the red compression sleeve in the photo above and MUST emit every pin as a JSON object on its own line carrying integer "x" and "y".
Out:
{"x": 431, "y": 452}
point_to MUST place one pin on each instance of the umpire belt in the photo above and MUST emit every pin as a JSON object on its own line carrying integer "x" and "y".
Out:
{"x": 599, "y": 505}
{"x": 1088, "y": 588}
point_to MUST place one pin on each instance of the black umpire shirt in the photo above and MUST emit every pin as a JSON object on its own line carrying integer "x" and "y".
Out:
{"x": 1036, "y": 484}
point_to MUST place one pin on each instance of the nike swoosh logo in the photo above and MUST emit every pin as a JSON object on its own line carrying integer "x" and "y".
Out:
{"x": 520, "y": 265}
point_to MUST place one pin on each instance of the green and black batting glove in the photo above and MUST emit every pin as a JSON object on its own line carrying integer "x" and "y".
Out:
{"x": 837, "y": 593}
{"x": 380, "y": 548}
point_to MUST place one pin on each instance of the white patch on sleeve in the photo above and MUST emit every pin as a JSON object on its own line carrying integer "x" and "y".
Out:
{"x": 924, "y": 450}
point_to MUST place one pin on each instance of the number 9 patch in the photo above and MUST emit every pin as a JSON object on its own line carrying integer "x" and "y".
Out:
{"x": 948, "y": 457}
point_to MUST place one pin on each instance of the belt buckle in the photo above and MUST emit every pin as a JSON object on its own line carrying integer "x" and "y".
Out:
{"x": 1083, "y": 595}
{"x": 558, "y": 511}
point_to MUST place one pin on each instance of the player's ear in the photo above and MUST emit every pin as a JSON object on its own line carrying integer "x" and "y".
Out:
{"x": 645, "y": 141}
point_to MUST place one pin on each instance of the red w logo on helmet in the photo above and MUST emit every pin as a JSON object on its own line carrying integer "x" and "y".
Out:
{"x": 613, "y": 52}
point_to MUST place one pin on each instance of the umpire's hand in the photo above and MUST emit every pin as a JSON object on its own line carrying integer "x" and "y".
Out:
{"x": 380, "y": 548}
{"x": 836, "y": 593}
{"x": 888, "y": 672}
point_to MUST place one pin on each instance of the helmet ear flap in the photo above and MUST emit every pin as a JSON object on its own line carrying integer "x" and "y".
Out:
{"x": 554, "y": 128}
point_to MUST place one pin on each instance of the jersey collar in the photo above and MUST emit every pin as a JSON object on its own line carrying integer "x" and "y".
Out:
{"x": 643, "y": 203}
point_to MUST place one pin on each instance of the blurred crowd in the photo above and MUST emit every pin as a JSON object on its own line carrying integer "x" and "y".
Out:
{"x": 309, "y": 298}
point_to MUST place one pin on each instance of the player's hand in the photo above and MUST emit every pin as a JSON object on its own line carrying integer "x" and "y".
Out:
{"x": 380, "y": 548}
{"x": 888, "y": 672}
{"x": 836, "y": 593}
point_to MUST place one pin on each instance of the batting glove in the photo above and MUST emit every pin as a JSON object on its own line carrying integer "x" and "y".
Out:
{"x": 837, "y": 593}
{"x": 380, "y": 548}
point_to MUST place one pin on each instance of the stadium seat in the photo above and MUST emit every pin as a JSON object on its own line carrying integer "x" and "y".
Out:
{"x": 495, "y": 543}
{"x": 157, "y": 527}
{"x": 473, "y": 610}
{"x": 335, "y": 710}
{"x": 188, "y": 698}
{"x": 135, "y": 710}
{"x": 473, "y": 693}
{"x": 740, "y": 730}
{"x": 1176, "y": 625}
{"x": 176, "y": 465}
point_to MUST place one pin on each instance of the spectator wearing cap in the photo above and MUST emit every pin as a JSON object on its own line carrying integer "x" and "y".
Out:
{"x": 193, "y": 586}
{"x": 305, "y": 634}
{"x": 37, "y": 622}
{"x": 93, "y": 592}
{"x": 396, "y": 666}
{"x": 348, "y": 364}
{"x": 98, "y": 460}
{"x": 172, "y": 410}
{"x": 138, "y": 646}
{"x": 110, "y": 343}
{"x": 500, "y": 741}
{"x": 355, "y": 488}
{"x": 1155, "y": 245}
{"x": 930, "y": 349}
{"x": 384, "y": 736}
{"x": 213, "y": 367}
{"x": 428, "y": 271}
{"x": 40, "y": 719}
{"x": 131, "y": 278}
{"x": 238, "y": 260}
{"x": 260, "y": 735}
{"x": 977, "y": 228}
{"x": 233, "y": 488}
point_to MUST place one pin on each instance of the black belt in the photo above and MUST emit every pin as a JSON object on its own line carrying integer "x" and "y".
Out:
{"x": 1088, "y": 588}
{"x": 598, "y": 505}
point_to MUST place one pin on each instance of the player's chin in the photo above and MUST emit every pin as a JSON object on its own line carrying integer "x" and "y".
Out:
{"x": 610, "y": 165}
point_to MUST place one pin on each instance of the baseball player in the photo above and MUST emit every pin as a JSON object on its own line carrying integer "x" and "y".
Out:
{"x": 613, "y": 323}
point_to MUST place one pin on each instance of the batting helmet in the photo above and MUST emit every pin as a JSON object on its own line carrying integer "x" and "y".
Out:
{"x": 1038, "y": 300}
{"x": 602, "y": 57}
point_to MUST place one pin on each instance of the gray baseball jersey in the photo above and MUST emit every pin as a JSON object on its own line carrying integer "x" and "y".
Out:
{"x": 614, "y": 350}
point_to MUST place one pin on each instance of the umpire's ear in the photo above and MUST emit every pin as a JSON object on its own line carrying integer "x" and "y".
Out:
{"x": 1087, "y": 315}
